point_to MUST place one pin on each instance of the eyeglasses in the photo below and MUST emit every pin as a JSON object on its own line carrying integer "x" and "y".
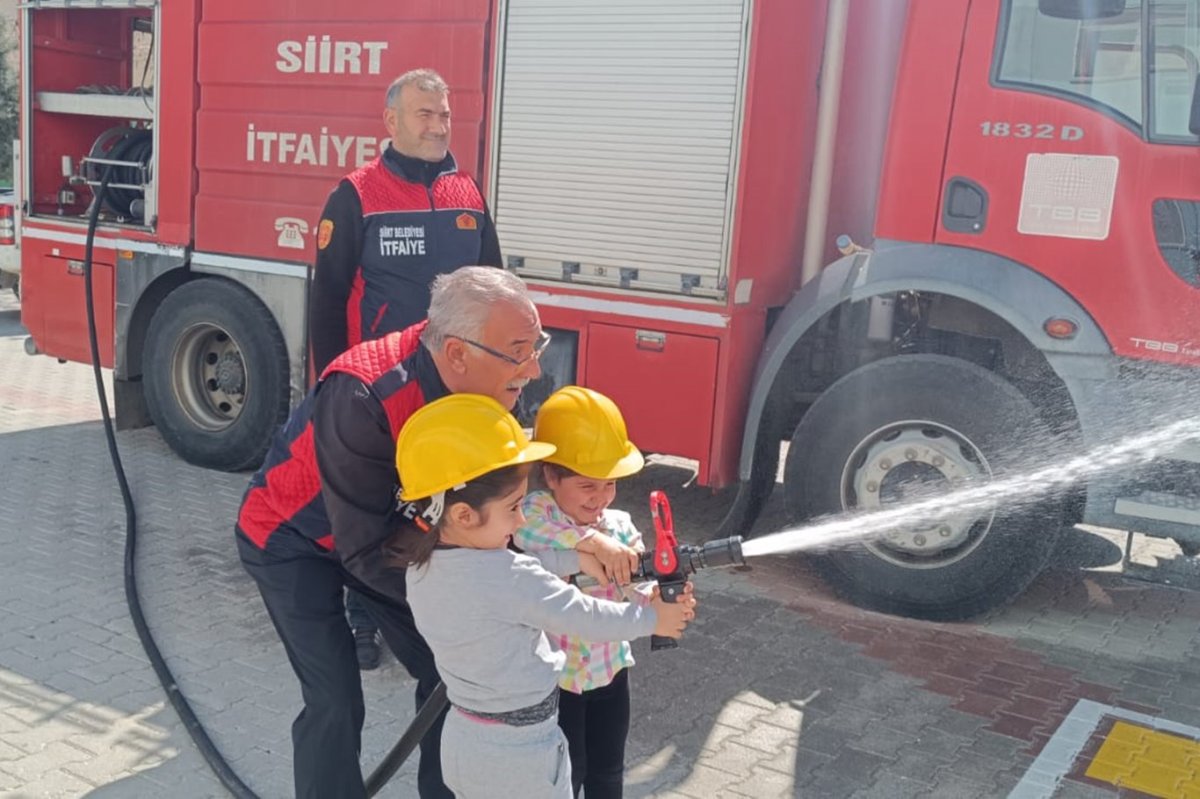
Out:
{"x": 539, "y": 346}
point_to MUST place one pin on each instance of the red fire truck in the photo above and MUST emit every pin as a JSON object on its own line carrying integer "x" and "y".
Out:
{"x": 681, "y": 183}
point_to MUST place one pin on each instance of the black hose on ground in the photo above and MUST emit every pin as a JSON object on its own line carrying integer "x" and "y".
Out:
{"x": 207, "y": 748}
{"x": 425, "y": 717}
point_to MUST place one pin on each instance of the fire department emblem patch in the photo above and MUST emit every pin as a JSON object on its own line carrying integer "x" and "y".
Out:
{"x": 324, "y": 233}
{"x": 466, "y": 222}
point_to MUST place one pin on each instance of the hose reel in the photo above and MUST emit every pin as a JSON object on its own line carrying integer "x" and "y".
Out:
{"x": 128, "y": 151}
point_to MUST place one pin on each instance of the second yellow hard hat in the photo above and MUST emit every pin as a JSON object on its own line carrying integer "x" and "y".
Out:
{"x": 589, "y": 434}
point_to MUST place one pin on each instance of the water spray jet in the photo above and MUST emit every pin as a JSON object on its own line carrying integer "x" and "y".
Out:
{"x": 931, "y": 510}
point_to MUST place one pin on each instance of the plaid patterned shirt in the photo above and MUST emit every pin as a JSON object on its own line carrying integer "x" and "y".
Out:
{"x": 590, "y": 664}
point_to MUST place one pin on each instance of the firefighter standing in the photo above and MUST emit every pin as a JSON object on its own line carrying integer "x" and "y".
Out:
{"x": 388, "y": 229}
{"x": 317, "y": 511}
{"x": 391, "y": 227}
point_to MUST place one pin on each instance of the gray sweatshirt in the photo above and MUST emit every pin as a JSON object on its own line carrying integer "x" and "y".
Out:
{"x": 485, "y": 614}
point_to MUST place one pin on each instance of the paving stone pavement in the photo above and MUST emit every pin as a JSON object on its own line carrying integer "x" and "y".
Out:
{"x": 779, "y": 690}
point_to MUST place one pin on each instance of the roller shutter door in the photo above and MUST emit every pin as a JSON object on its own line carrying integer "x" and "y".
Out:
{"x": 618, "y": 135}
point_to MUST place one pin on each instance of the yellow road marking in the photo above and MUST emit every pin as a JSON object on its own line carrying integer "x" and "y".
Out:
{"x": 1155, "y": 763}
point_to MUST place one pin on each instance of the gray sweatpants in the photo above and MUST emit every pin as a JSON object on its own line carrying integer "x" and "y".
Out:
{"x": 486, "y": 761}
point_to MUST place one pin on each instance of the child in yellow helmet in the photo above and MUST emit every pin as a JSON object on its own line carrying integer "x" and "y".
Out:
{"x": 485, "y": 609}
{"x": 592, "y": 452}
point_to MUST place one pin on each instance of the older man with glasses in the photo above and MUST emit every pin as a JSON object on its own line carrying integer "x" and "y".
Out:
{"x": 316, "y": 514}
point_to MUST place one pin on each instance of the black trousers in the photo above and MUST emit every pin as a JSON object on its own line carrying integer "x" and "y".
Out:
{"x": 303, "y": 593}
{"x": 596, "y": 724}
{"x": 356, "y": 612}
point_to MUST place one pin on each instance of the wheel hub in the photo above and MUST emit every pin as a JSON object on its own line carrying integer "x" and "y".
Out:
{"x": 912, "y": 461}
{"x": 230, "y": 373}
{"x": 209, "y": 376}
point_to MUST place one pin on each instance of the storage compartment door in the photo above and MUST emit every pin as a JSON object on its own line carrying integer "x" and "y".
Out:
{"x": 55, "y": 310}
{"x": 664, "y": 384}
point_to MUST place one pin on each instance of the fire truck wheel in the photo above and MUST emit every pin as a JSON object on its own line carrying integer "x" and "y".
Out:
{"x": 925, "y": 425}
{"x": 215, "y": 374}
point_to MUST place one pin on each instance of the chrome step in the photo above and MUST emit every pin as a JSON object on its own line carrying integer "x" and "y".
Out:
{"x": 1161, "y": 506}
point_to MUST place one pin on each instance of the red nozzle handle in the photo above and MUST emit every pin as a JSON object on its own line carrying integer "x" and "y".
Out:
{"x": 666, "y": 557}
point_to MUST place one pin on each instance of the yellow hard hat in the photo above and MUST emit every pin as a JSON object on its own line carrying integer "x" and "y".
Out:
{"x": 589, "y": 432}
{"x": 455, "y": 439}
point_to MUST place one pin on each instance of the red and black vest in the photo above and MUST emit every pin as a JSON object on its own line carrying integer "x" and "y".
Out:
{"x": 285, "y": 493}
{"x": 411, "y": 234}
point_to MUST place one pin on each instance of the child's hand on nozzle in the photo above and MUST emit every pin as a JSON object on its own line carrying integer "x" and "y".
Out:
{"x": 673, "y": 617}
{"x": 590, "y": 565}
{"x": 618, "y": 560}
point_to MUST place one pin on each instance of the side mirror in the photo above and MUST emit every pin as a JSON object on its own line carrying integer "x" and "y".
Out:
{"x": 1081, "y": 9}
{"x": 1194, "y": 116}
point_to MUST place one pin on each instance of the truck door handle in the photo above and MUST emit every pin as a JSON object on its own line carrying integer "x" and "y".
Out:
{"x": 651, "y": 340}
{"x": 965, "y": 208}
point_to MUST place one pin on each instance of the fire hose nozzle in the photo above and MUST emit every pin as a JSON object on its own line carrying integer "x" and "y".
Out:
{"x": 692, "y": 558}
{"x": 721, "y": 552}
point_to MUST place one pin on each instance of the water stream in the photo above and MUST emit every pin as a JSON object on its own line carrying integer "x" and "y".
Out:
{"x": 977, "y": 498}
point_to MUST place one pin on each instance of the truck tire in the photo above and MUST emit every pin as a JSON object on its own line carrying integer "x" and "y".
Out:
{"x": 928, "y": 421}
{"x": 215, "y": 375}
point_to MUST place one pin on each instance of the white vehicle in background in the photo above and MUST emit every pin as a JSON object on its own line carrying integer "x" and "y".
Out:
{"x": 10, "y": 261}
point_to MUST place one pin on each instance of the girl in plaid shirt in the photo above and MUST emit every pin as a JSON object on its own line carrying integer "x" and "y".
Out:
{"x": 592, "y": 452}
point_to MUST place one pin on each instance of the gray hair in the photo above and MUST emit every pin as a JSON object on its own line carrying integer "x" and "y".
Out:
{"x": 460, "y": 302}
{"x": 425, "y": 80}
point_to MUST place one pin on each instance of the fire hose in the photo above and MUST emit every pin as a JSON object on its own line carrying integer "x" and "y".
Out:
{"x": 425, "y": 717}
